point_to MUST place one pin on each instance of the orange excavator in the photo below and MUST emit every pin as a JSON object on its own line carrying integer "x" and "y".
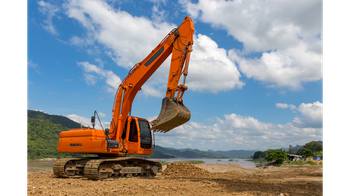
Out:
{"x": 130, "y": 135}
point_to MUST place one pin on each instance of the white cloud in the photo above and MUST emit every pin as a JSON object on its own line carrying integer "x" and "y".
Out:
{"x": 262, "y": 25}
{"x": 112, "y": 80}
{"x": 157, "y": 14}
{"x": 313, "y": 115}
{"x": 90, "y": 79}
{"x": 210, "y": 68}
{"x": 33, "y": 65}
{"x": 158, "y": 1}
{"x": 150, "y": 90}
{"x": 75, "y": 40}
{"x": 38, "y": 110}
{"x": 313, "y": 110}
{"x": 122, "y": 34}
{"x": 102, "y": 115}
{"x": 151, "y": 118}
{"x": 288, "y": 33}
{"x": 50, "y": 11}
{"x": 117, "y": 30}
{"x": 288, "y": 68}
{"x": 239, "y": 132}
{"x": 87, "y": 121}
{"x": 284, "y": 105}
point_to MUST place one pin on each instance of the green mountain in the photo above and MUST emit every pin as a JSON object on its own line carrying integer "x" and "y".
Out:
{"x": 236, "y": 153}
{"x": 155, "y": 155}
{"x": 43, "y": 131}
{"x": 56, "y": 119}
{"x": 189, "y": 153}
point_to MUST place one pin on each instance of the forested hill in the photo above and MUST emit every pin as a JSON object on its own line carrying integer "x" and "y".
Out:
{"x": 61, "y": 120}
{"x": 189, "y": 153}
{"x": 43, "y": 131}
{"x": 235, "y": 153}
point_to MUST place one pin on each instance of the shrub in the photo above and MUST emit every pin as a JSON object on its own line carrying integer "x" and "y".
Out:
{"x": 307, "y": 152}
{"x": 259, "y": 154}
{"x": 314, "y": 146}
{"x": 311, "y": 163}
{"x": 278, "y": 155}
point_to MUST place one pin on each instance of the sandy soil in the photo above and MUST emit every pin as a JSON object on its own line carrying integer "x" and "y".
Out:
{"x": 188, "y": 179}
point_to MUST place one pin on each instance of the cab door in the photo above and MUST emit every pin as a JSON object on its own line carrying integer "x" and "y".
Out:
{"x": 145, "y": 134}
{"x": 133, "y": 137}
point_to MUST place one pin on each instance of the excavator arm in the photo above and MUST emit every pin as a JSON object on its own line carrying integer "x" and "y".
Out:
{"x": 173, "y": 113}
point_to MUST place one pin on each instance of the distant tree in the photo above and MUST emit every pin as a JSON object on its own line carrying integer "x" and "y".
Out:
{"x": 318, "y": 153}
{"x": 307, "y": 153}
{"x": 300, "y": 151}
{"x": 290, "y": 150}
{"x": 259, "y": 154}
{"x": 278, "y": 155}
{"x": 314, "y": 146}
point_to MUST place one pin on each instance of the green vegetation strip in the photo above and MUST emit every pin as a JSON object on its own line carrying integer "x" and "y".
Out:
{"x": 39, "y": 168}
{"x": 289, "y": 163}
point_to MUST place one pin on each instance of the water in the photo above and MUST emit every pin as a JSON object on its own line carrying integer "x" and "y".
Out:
{"x": 40, "y": 164}
{"x": 243, "y": 162}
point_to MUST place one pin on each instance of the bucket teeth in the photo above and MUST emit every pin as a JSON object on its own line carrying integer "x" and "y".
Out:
{"x": 171, "y": 115}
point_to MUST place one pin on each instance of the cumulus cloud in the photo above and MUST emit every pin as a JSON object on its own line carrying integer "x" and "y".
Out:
{"x": 87, "y": 121}
{"x": 210, "y": 68}
{"x": 287, "y": 68}
{"x": 287, "y": 33}
{"x": 118, "y": 30}
{"x": 102, "y": 115}
{"x": 284, "y": 106}
{"x": 241, "y": 132}
{"x": 94, "y": 73}
{"x": 312, "y": 115}
{"x": 122, "y": 34}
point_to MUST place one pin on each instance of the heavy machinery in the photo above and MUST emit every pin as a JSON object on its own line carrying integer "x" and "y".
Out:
{"x": 130, "y": 135}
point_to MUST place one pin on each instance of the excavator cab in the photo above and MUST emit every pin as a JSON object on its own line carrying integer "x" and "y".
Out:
{"x": 137, "y": 135}
{"x": 172, "y": 114}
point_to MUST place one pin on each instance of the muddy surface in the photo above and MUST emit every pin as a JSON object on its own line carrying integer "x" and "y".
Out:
{"x": 188, "y": 179}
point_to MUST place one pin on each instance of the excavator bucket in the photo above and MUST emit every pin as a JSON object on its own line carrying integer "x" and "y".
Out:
{"x": 171, "y": 115}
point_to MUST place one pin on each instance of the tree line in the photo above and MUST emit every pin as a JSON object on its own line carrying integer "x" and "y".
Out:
{"x": 312, "y": 148}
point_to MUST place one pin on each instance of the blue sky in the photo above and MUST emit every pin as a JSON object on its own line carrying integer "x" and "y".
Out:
{"x": 255, "y": 78}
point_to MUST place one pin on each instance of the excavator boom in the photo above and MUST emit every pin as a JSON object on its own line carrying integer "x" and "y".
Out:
{"x": 173, "y": 113}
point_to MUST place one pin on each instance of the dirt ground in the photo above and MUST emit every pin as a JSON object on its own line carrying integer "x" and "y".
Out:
{"x": 188, "y": 179}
